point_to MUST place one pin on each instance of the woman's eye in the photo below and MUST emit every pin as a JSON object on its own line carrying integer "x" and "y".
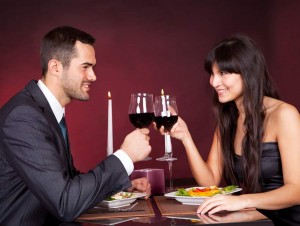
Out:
{"x": 223, "y": 72}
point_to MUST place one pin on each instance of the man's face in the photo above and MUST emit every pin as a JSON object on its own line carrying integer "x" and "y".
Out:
{"x": 77, "y": 78}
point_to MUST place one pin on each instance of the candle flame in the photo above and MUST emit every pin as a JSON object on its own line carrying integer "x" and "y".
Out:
{"x": 162, "y": 92}
{"x": 109, "y": 95}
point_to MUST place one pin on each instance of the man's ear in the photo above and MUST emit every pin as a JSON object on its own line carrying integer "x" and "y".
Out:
{"x": 54, "y": 67}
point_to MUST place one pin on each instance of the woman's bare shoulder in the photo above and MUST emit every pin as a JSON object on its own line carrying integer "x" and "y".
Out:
{"x": 281, "y": 112}
{"x": 277, "y": 108}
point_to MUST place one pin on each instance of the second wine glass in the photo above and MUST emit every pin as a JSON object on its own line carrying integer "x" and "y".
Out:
{"x": 141, "y": 111}
{"x": 166, "y": 115}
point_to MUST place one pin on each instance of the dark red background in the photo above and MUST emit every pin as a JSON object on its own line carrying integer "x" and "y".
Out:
{"x": 143, "y": 46}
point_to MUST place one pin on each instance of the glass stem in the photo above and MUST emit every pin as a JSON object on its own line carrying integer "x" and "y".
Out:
{"x": 170, "y": 175}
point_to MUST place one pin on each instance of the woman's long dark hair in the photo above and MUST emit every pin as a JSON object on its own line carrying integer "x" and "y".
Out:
{"x": 241, "y": 55}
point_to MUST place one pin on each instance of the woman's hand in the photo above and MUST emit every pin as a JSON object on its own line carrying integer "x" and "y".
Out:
{"x": 223, "y": 202}
{"x": 236, "y": 216}
{"x": 179, "y": 130}
{"x": 141, "y": 185}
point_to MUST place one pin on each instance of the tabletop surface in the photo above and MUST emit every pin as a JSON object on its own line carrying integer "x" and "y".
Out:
{"x": 179, "y": 215}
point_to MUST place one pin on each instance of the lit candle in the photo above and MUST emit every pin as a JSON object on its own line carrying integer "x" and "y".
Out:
{"x": 109, "y": 127}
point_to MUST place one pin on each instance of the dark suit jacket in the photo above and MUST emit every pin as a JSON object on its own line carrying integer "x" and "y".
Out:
{"x": 37, "y": 178}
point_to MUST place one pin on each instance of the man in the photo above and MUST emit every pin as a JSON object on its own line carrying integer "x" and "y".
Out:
{"x": 38, "y": 182}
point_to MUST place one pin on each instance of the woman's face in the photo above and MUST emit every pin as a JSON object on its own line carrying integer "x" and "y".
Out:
{"x": 229, "y": 86}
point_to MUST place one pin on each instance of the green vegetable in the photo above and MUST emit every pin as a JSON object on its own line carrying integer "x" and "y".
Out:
{"x": 229, "y": 188}
{"x": 182, "y": 192}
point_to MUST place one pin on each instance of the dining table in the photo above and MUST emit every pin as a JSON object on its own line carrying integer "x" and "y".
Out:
{"x": 163, "y": 210}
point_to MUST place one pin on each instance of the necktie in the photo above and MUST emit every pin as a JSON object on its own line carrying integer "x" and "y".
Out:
{"x": 64, "y": 131}
{"x": 63, "y": 128}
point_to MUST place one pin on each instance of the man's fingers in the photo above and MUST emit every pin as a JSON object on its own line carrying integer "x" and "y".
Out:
{"x": 145, "y": 131}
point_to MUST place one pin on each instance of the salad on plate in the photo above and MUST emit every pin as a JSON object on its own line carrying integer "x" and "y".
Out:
{"x": 196, "y": 195}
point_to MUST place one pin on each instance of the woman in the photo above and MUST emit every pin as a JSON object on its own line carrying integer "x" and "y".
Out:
{"x": 256, "y": 144}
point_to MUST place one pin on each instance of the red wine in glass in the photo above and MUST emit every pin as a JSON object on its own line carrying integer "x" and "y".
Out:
{"x": 167, "y": 122}
{"x": 141, "y": 120}
{"x": 141, "y": 111}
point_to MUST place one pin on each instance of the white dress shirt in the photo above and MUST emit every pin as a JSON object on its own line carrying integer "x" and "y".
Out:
{"x": 59, "y": 112}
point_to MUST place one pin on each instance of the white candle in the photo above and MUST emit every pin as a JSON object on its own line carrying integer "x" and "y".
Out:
{"x": 109, "y": 127}
{"x": 168, "y": 144}
{"x": 163, "y": 101}
{"x": 144, "y": 104}
{"x": 165, "y": 112}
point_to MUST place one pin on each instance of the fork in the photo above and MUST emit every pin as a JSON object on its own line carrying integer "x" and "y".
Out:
{"x": 127, "y": 208}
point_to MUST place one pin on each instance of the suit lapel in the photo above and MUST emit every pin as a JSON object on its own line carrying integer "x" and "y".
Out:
{"x": 41, "y": 100}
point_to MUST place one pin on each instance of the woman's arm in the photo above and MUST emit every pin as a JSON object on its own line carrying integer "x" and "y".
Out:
{"x": 286, "y": 122}
{"x": 205, "y": 173}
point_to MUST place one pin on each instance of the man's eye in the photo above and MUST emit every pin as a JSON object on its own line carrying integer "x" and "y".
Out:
{"x": 223, "y": 72}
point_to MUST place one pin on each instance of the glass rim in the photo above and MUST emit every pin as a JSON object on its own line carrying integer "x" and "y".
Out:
{"x": 141, "y": 94}
{"x": 166, "y": 96}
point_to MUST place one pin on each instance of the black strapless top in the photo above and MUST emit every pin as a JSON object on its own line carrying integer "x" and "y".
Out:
{"x": 271, "y": 169}
{"x": 271, "y": 178}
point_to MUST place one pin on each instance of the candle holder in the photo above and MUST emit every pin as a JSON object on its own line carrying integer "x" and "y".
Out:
{"x": 156, "y": 178}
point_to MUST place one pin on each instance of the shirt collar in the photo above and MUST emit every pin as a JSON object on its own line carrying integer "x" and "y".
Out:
{"x": 57, "y": 109}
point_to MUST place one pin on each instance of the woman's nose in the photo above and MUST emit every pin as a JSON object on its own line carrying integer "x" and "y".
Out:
{"x": 215, "y": 80}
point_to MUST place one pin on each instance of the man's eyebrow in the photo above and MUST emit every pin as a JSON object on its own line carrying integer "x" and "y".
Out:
{"x": 88, "y": 64}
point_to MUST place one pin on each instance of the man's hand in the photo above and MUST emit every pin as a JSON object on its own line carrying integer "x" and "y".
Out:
{"x": 136, "y": 145}
{"x": 141, "y": 185}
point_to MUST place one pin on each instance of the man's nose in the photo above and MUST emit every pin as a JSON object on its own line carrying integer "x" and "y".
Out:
{"x": 92, "y": 76}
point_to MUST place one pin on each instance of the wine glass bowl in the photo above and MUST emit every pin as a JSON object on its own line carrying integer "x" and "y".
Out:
{"x": 141, "y": 111}
{"x": 165, "y": 121}
{"x": 165, "y": 112}
{"x": 141, "y": 120}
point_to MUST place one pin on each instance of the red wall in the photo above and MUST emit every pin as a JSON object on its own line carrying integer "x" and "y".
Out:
{"x": 143, "y": 46}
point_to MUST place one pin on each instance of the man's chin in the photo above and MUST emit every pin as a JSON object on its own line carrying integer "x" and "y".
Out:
{"x": 85, "y": 98}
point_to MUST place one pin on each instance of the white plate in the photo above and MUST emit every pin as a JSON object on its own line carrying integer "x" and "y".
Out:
{"x": 121, "y": 202}
{"x": 189, "y": 200}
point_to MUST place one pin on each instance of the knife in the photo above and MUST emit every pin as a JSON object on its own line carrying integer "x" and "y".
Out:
{"x": 93, "y": 211}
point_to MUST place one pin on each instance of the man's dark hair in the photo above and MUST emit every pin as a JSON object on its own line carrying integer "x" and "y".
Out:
{"x": 59, "y": 44}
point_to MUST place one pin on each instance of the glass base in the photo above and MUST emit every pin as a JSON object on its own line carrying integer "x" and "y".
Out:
{"x": 148, "y": 158}
{"x": 167, "y": 157}
{"x": 168, "y": 190}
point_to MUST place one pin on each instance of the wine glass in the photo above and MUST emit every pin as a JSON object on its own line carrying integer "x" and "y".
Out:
{"x": 141, "y": 112}
{"x": 166, "y": 114}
